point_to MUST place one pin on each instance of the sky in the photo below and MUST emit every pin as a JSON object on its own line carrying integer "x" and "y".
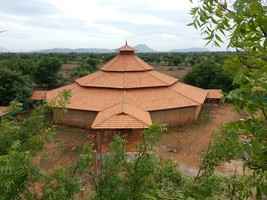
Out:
{"x": 44, "y": 24}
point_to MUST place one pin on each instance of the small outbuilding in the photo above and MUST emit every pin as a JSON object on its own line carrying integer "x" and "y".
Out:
{"x": 38, "y": 96}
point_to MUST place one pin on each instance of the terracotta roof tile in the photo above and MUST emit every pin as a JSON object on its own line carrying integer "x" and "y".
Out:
{"x": 2, "y": 110}
{"x": 120, "y": 121}
{"x": 91, "y": 99}
{"x": 194, "y": 93}
{"x": 157, "y": 99}
{"x": 103, "y": 80}
{"x": 148, "y": 99}
{"x": 125, "y": 62}
{"x": 126, "y": 80}
{"x": 126, "y": 47}
{"x": 53, "y": 93}
{"x": 214, "y": 94}
{"x": 38, "y": 95}
{"x": 122, "y": 116}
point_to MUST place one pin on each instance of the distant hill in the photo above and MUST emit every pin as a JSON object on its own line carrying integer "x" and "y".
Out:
{"x": 3, "y": 49}
{"x": 79, "y": 50}
{"x": 142, "y": 48}
{"x": 194, "y": 49}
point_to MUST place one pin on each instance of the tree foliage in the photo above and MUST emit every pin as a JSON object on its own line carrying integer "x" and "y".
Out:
{"x": 144, "y": 175}
{"x": 177, "y": 59}
{"x": 13, "y": 86}
{"x": 243, "y": 22}
{"x": 209, "y": 75}
{"x": 47, "y": 72}
{"x": 83, "y": 70}
{"x": 20, "y": 141}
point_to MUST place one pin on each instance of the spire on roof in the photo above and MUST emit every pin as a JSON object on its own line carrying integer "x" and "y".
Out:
{"x": 126, "y": 48}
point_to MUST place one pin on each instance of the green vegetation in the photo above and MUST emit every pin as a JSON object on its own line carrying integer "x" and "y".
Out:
{"x": 86, "y": 67}
{"x": 20, "y": 141}
{"x": 209, "y": 75}
{"x": 13, "y": 85}
{"x": 244, "y": 22}
{"x": 146, "y": 176}
{"x": 47, "y": 72}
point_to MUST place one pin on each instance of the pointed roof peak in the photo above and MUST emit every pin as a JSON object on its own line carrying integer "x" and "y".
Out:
{"x": 126, "y": 47}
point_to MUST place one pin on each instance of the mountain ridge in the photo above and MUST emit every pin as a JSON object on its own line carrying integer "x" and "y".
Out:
{"x": 3, "y": 49}
{"x": 141, "y": 48}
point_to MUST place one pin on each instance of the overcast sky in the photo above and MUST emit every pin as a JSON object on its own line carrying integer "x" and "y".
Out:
{"x": 42, "y": 24}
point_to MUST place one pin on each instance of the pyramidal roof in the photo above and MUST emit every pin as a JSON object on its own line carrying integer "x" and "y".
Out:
{"x": 126, "y": 71}
{"x": 125, "y": 89}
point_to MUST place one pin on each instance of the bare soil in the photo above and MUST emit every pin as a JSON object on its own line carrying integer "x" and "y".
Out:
{"x": 64, "y": 149}
{"x": 186, "y": 144}
{"x": 174, "y": 71}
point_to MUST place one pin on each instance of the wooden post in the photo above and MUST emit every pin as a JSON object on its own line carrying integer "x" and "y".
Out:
{"x": 96, "y": 161}
{"x": 99, "y": 141}
{"x": 81, "y": 196}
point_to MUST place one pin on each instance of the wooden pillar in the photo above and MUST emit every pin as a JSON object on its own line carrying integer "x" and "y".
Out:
{"x": 81, "y": 196}
{"x": 99, "y": 140}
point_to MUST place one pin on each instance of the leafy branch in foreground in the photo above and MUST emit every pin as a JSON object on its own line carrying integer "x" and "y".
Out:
{"x": 20, "y": 140}
{"x": 243, "y": 23}
{"x": 144, "y": 175}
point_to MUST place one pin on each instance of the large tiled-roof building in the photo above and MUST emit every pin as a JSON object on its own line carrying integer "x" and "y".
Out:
{"x": 128, "y": 93}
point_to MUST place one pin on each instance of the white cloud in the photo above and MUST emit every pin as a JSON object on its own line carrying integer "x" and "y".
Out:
{"x": 38, "y": 24}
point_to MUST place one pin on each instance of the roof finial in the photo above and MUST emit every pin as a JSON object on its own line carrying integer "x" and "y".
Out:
{"x": 126, "y": 40}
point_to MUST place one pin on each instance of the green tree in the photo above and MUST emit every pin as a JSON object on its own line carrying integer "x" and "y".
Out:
{"x": 20, "y": 141}
{"x": 209, "y": 75}
{"x": 146, "y": 176}
{"x": 93, "y": 62}
{"x": 243, "y": 22}
{"x": 47, "y": 72}
{"x": 177, "y": 59}
{"x": 13, "y": 86}
{"x": 83, "y": 70}
{"x": 25, "y": 66}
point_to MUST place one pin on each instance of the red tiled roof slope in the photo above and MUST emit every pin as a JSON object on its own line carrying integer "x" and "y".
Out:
{"x": 126, "y": 80}
{"x": 214, "y": 94}
{"x": 126, "y": 47}
{"x": 38, "y": 95}
{"x": 98, "y": 99}
{"x": 53, "y": 93}
{"x": 2, "y": 110}
{"x": 120, "y": 121}
{"x": 126, "y": 62}
{"x": 122, "y": 116}
{"x": 194, "y": 93}
{"x": 161, "y": 98}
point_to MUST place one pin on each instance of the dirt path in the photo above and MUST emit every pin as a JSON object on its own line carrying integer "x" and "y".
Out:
{"x": 185, "y": 144}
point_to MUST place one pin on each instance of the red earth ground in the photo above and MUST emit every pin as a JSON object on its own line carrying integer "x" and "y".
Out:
{"x": 185, "y": 144}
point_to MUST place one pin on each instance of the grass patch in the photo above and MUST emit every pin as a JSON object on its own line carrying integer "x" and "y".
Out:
{"x": 204, "y": 116}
